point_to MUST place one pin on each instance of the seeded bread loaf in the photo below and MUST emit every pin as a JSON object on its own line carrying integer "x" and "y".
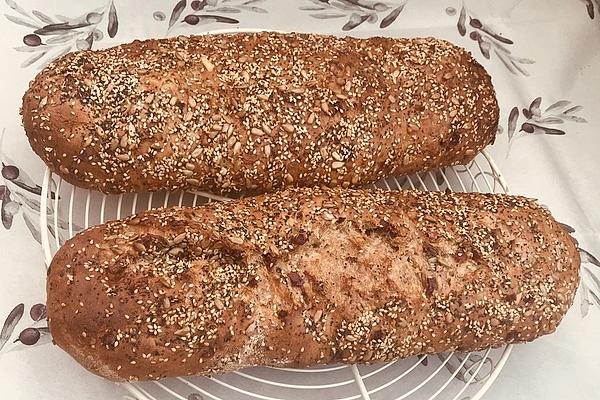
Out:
{"x": 309, "y": 276}
{"x": 256, "y": 112}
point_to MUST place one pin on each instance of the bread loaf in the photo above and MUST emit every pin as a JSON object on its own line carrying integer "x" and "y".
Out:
{"x": 309, "y": 276}
{"x": 256, "y": 112}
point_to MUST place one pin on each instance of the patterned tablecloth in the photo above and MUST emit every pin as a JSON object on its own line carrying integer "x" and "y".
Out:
{"x": 543, "y": 55}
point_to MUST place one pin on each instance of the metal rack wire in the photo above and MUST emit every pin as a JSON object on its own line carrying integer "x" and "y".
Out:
{"x": 65, "y": 210}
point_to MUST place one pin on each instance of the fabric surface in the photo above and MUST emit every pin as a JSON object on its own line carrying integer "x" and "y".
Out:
{"x": 543, "y": 56}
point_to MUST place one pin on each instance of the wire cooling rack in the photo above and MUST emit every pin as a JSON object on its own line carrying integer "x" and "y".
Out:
{"x": 65, "y": 210}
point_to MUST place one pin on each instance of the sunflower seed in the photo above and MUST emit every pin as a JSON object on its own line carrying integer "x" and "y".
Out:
{"x": 328, "y": 216}
{"x": 123, "y": 157}
{"x": 207, "y": 64}
{"x": 139, "y": 247}
{"x": 337, "y": 164}
{"x": 289, "y": 128}
{"x": 266, "y": 128}
{"x": 179, "y": 238}
{"x": 183, "y": 331}
{"x": 318, "y": 315}
{"x": 236, "y": 240}
{"x": 256, "y": 131}
{"x": 268, "y": 150}
{"x": 196, "y": 152}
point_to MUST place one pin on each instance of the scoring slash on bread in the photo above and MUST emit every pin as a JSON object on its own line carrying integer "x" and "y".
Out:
{"x": 309, "y": 276}
{"x": 255, "y": 112}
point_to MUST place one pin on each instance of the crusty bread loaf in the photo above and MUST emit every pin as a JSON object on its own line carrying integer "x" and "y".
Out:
{"x": 309, "y": 276}
{"x": 255, "y": 112}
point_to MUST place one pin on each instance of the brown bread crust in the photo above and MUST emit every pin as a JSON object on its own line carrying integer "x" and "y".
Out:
{"x": 257, "y": 112}
{"x": 309, "y": 276}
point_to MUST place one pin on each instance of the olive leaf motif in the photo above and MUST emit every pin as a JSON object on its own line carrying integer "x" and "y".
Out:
{"x": 468, "y": 368}
{"x": 357, "y": 11}
{"x": 113, "y": 21}
{"x": 176, "y": 13}
{"x": 488, "y": 41}
{"x": 52, "y": 38}
{"x": 538, "y": 121}
{"x": 589, "y": 5}
{"x": 10, "y": 323}
{"x": 590, "y": 283}
{"x": 391, "y": 17}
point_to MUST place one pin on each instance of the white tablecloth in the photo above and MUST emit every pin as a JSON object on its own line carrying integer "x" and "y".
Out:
{"x": 543, "y": 55}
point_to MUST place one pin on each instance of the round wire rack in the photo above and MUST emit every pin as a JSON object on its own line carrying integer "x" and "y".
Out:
{"x": 66, "y": 210}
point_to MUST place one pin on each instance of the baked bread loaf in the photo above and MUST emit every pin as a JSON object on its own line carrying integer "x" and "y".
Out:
{"x": 256, "y": 112}
{"x": 309, "y": 276}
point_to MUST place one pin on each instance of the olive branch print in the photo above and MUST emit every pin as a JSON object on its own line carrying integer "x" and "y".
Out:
{"x": 37, "y": 333}
{"x": 202, "y": 12}
{"x": 356, "y": 11}
{"x": 540, "y": 122}
{"x": 53, "y": 37}
{"x": 589, "y": 5}
{"x": 19, "y": 193}
{"x": 488, "y": 40}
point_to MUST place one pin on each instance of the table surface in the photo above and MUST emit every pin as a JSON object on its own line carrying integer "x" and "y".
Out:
{"x": 547, "y": 78}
